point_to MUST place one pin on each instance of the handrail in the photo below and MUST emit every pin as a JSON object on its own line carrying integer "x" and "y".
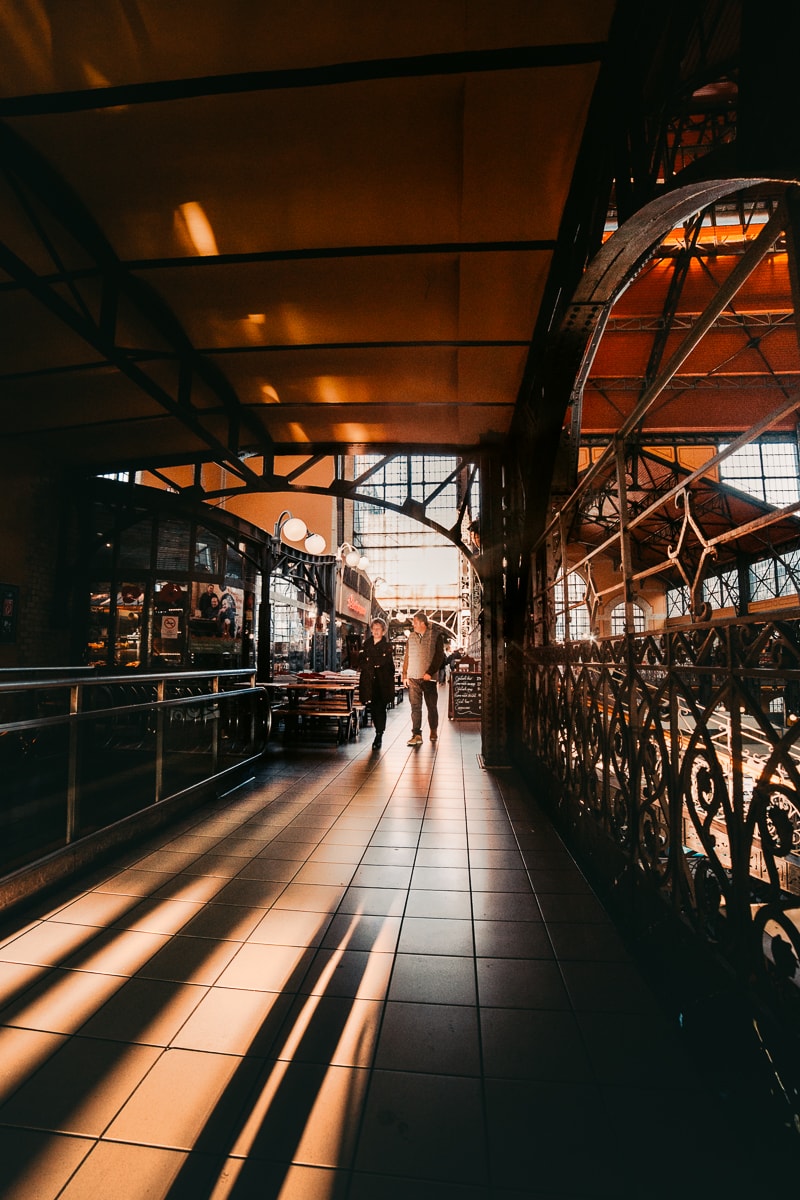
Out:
{"x": 95, "y": 678}
{"x": 86, "y": 776}
{"x": 92, "y": 714}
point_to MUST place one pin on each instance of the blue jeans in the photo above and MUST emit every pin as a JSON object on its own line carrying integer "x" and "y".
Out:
{"x": 419, "y": 690}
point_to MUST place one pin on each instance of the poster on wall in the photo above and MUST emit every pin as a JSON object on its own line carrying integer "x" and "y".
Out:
{"x": 9, "y": 605}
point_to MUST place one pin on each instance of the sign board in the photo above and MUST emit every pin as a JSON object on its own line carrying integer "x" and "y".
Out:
{"x": 170, "y": 626}
{"x": 465, "y": 695}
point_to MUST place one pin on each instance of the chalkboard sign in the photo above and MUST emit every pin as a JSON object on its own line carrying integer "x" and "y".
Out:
{"x": 465, "y": 695}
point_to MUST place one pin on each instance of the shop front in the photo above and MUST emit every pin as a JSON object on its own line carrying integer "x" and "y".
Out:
{"x": 168, "y": 590}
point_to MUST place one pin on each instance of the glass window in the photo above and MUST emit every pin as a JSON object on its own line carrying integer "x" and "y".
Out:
{"x": 136, "y": 543}
{"x": 173, "y": 546}
{"x": 766, "y": 470}
{"x": 678, "y": 601}
{"x": 618, "y": 619}
{"x": 208, "y": 556}
{"x": 722, "y": 591}
{"x": 579, "y": 627}
{"x": 771, "y": 578}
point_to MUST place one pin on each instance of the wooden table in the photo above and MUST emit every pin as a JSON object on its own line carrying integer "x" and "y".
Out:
{"x": 312, "y": 701}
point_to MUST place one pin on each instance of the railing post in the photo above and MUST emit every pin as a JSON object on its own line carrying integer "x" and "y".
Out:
{"x": 159, "y": 782}
{"x": 215, "y": 723}
{"x": 72, "y": 766}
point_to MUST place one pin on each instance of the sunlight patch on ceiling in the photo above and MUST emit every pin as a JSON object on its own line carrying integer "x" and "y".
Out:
{"x": 198, "y": 228}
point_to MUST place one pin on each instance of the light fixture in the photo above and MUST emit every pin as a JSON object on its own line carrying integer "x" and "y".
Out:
{"x": 353, "y": 557}
{"x": 293, "y": 529}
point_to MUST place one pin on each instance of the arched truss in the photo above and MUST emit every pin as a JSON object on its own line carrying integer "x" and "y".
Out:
{"x": 618, "y": 508}
{"x": 465, "y": 475}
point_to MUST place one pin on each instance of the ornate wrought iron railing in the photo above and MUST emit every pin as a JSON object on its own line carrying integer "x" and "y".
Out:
{"x": 677, "y": 756}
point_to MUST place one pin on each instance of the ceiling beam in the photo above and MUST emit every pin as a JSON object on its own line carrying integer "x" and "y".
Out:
{"x": 465, "y": 62}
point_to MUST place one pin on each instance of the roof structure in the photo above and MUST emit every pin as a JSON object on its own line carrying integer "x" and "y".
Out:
{"x": 263, "y": 228}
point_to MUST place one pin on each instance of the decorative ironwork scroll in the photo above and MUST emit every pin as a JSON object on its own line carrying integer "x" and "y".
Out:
{"x": 681, "y": 752}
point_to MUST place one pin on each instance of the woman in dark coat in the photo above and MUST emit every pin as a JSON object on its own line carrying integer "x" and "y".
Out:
{"x": 376, "y": 682}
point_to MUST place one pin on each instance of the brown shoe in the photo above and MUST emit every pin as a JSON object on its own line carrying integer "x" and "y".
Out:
{"x": 434, "y": 735}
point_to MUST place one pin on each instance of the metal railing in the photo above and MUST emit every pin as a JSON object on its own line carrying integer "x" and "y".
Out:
{"x": 80, "y": 754}
{"x": 674, "y": 760}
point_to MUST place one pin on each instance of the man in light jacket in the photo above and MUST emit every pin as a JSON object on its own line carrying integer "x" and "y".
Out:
{"x": 423, "y": 658}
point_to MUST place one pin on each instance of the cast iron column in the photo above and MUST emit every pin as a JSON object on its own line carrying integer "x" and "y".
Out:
{"x": 493, "y": 651}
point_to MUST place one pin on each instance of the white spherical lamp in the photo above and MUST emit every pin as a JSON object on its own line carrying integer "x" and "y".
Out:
{"x": 315, "y": 543}
{"x": 294, "y": 530}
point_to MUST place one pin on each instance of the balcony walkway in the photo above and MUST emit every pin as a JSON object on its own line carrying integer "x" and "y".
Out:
{"x": 362, "y": 977}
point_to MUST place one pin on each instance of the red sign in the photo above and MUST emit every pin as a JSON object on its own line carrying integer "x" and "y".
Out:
{"x": 356, "y": 606}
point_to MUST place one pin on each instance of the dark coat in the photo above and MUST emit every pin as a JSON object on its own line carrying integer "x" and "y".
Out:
{"x": 376, "y": 681}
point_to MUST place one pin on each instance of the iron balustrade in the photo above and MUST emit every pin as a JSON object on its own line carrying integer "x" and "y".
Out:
{"x": 79, "y": 754}
{"x": 674, "y": 759}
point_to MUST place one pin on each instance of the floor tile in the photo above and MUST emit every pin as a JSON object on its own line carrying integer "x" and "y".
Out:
{"x": 607, "y": 987}
{"x": 290, "y": 927}
{"x": 37, "y": 1164}
{"x": 226, "y": 922}
{"x": 50, "y": 943}
{"x": 17, "y": 978}
{"x": 189, "y": 960}
{"x": 313, "y": 897}
{"x": 382, "y": 876}
{"x": 441, "y": 879}
{"x": 587, "y": 942}
{"x": 427, "y": 1126}
{"x": 361, "y": 931}
{"x": 304, "y": 1113}
{"x": 377, "y": 901}
{"x": 98, "y": 908}
{"x": 126, "y": 1172}
{"x": 437, "y": 1038}
{"x": 435, "y": 979}
{"x": 529, "y": 1044}
{"x": 454, "y": 905}
{"x": 549, "y": 1133}
{"x": 61, "y": 1001}
{"x": 521, "y": 983}
{"x": 22, "y": 1051}
{"x": 234, "y": 1021}
{"x": 389, "y": 856}
{"x": 157, "y": 1113}
{"x": 159, "y": 915}
{"x": 135, "y": 882}
{"x": 506, "y": 906}
{"x": 264, "y": 968}
{"x": 572, "y": 908}
{"x": 321, "y": 872}
{"x": 253, "y": 893}
{"x": 331, "y": 1029}
{"x": 146, "y": 1011}
{"x": 214, "y": 863}
{"x": 80, "y": 1087}
{"x": 352, "y": 973}
{"x": 436, "y": 935}
{"x": 512, "y": 939}
{"x": 118, "y": 952}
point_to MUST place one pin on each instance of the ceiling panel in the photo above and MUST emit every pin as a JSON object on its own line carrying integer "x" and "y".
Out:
{"x": 337, "y": 217}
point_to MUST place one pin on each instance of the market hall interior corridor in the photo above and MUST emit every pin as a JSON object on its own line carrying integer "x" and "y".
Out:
{"x": 361, "y": 976}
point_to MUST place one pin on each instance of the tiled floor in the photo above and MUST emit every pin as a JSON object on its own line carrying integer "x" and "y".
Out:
{"x": 366, "y": 977}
